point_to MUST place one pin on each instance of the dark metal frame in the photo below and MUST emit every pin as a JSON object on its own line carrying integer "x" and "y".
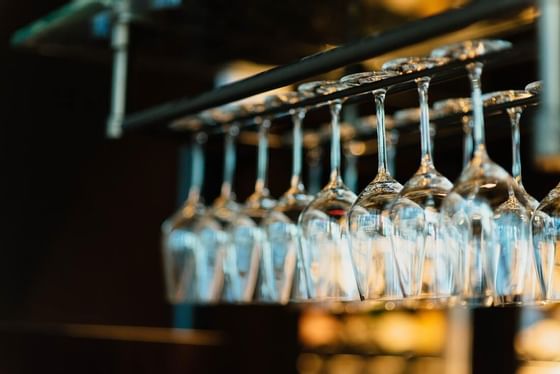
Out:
{"x": 369, "y": 47}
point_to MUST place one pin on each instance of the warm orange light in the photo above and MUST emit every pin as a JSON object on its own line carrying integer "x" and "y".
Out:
{"x": 540, "y": 341}
{"x": 318, "y": 329}
{"x": 419, "y": 8}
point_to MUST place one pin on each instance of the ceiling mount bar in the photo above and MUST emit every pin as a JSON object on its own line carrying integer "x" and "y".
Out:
{"x": 369, "y": 47}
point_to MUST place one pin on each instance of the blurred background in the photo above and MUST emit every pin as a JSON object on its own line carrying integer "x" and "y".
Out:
{"x": 80, "y": 238}
{"x": 82, "y": 213}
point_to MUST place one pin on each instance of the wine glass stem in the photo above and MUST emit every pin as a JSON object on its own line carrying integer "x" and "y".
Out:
{"x": 335, "y": 108}
{"x": 197, "y": 167}
{"x": 229, "y": 163}
{"x": 262, "y": 158}
{"x": 297, "y": 119}
{"x": 475, "y": 71}
{"x": 379, "y": 96}
{"x": 514, "y": 117}
{"x": 467, "y": 140}
{"x": 426, "y": 146}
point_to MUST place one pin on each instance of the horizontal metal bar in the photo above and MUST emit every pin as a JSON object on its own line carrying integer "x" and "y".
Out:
{"x": 358, "y": 94}
{"x": 374, "y": 45}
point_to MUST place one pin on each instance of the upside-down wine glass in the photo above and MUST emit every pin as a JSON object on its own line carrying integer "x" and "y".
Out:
{"x": 369, "y": 224}
{"x": 531, "y": 290}
{"x": 425, "y": 265}
{"x": 483, "y": 213}
{"x": 326, "y": 254}
{"x": 447, "y": 107}
{"x": 283, "y": 234}
{"x": 546, "y": 234}
{"x": 247, "y": 235}
{"x": 179, "y": 240}
{"x": 214, "y": 259}
{"x": 546, "y": 243}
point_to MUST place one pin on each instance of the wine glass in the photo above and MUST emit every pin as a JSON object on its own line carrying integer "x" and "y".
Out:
{"x": 247, "y": 236}
{"x": 179, "y": 240}
{"x": 283, "y": 252}
{"x": 214, "y": 259}
{"x": 425, "y": 263}
{"x": 447, "y": 107}
{"x": 326, "y": 255}
{"x": 369, "y": 223}
{"x": 483, "y": 213}
{"x": 546, "y": 241}
{"x": 531, "y": 290}
{"x": 545, "y": 229}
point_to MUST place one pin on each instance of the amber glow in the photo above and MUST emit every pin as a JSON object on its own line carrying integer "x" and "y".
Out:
{"x": 317, "y": 328}
{"x": 419, "y": 8}
{"x": 540, "y": 341}
{"x": 548, "y": 163}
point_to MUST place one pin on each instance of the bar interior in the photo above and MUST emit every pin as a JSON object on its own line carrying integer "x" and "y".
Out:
{"x": 350, "y": 187}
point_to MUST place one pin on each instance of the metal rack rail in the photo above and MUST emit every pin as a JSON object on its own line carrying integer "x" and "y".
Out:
{"x": 375, "y": 45}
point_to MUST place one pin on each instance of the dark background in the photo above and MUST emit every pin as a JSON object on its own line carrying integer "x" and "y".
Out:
{"x": 81, "y": 214}
{"x": 79, "y": 240}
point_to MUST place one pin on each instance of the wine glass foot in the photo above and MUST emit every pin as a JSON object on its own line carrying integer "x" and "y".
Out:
{"x": 477, "y": 301}
{"x": 430, "y": 302}
{"x": 508, "y": 300}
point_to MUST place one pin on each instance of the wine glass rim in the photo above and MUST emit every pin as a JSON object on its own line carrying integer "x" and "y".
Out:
{"x": 276, "y": 100}
{"x": 252, "y": 107}
{"x": 222, "y": 114}
{"x": 471, "y": 48}
{"x": 455, "y": 104}
{"x": 364, "y": 77}
{"x": 407, "y": 115}
{"x": 534, "y": 87}
{"x": 505, "y": 96}
{"x": 414, "y": 63}
{"x": 193, "y": 122}
{"x": 309, "y": 89}
{"x": 371, "y": 121}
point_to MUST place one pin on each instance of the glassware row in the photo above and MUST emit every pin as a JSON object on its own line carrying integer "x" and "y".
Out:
{"x": 483, "y": 240}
